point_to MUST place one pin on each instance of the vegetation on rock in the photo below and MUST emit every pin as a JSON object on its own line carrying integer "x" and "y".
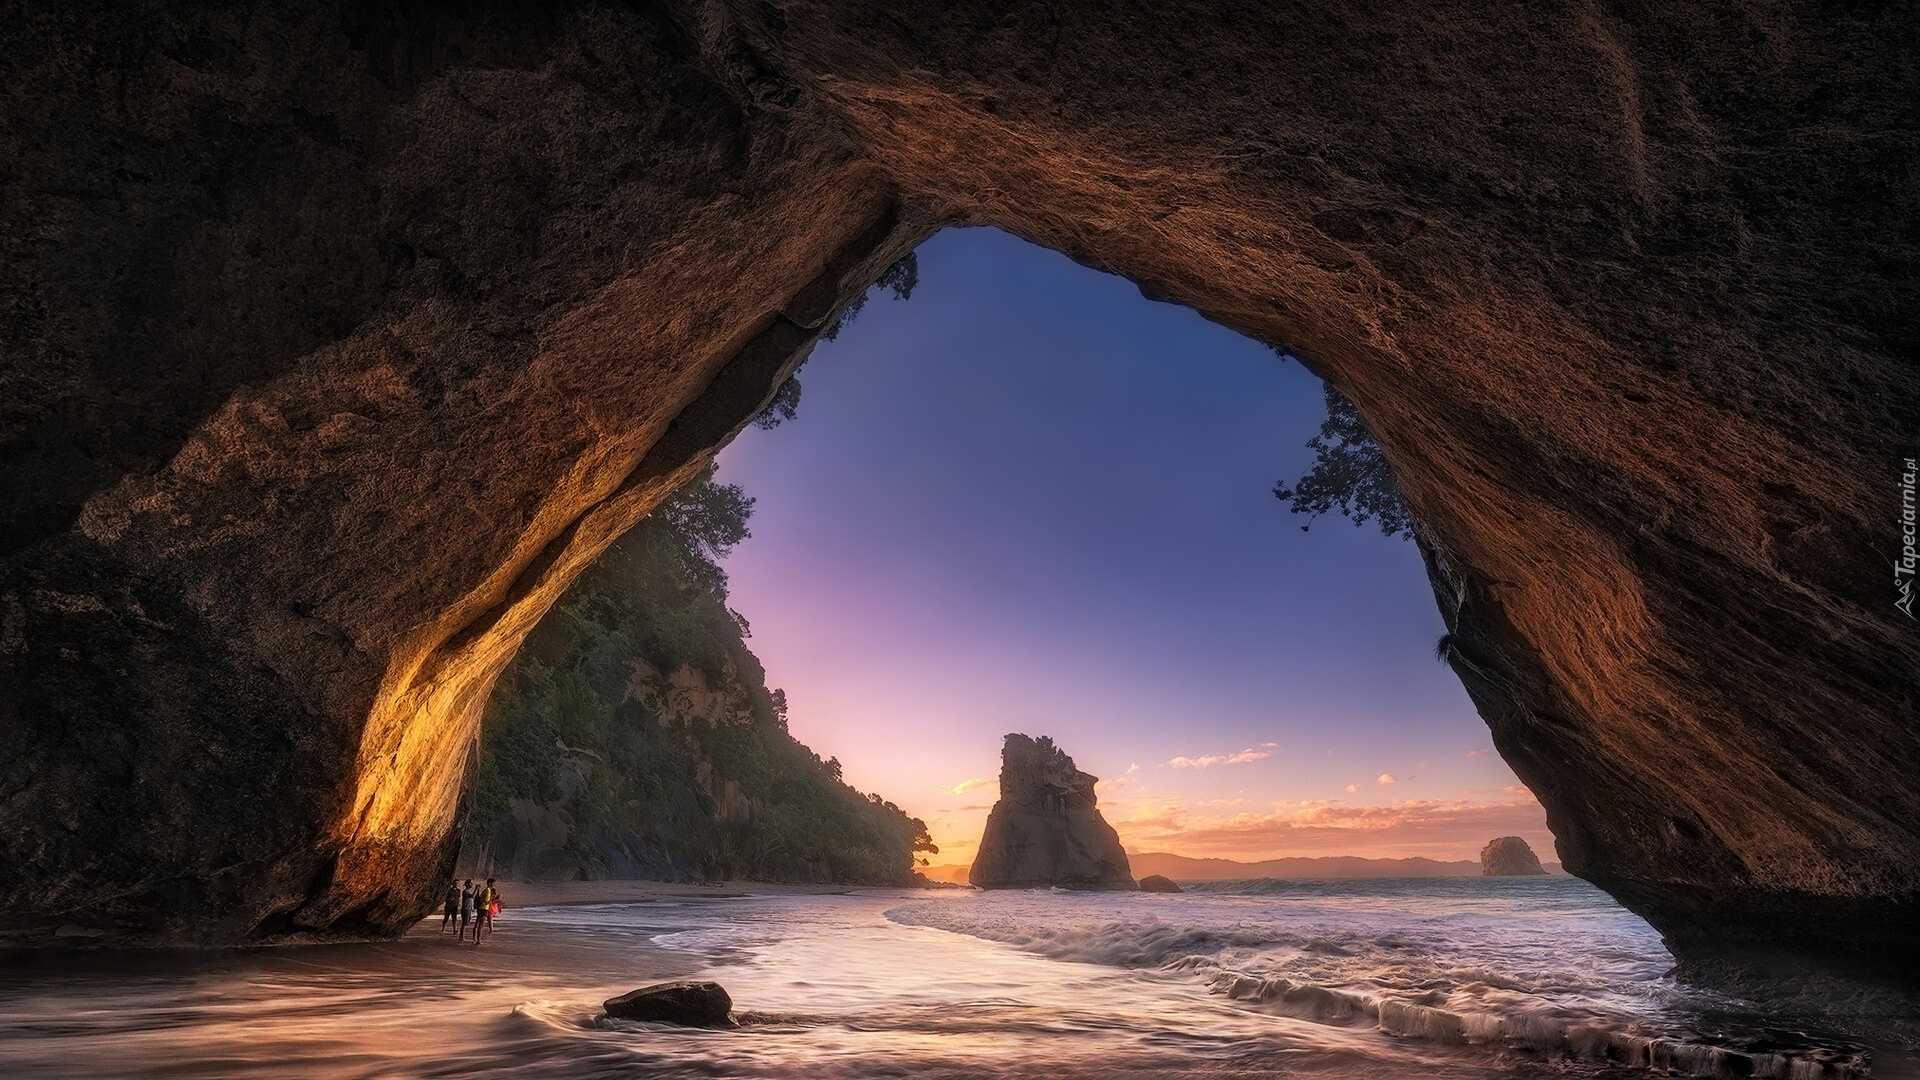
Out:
{"x": 1349, "y": 475}
{"x": 900, "y": 279}
{"x": 637, "y": 718}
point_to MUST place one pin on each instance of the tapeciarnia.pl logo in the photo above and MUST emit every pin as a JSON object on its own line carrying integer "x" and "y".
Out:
{"x": 1903, "y": 567}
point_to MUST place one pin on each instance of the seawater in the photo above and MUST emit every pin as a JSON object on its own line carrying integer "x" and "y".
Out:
{"x": 1334, "y": 979}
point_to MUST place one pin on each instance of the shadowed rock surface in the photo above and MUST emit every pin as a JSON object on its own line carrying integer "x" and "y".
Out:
{"x": 689, "y": 1004}
{"x": 1156, "y": 883}
{"x": 1046, "y": 828}
{"x": 1509, "y": 856}
{"x": 339, "y": 338}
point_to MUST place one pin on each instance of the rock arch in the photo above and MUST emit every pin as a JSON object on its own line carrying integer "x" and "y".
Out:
{"x": 339, "y": 337}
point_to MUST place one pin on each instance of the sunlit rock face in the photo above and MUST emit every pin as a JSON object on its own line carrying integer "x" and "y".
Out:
{"x": 1046, "y": 830}
{"x": 1509, "y": 856}
{"x": 337, "y": 342}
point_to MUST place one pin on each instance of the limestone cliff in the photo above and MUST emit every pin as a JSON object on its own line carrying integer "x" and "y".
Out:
{"x": 1046, "y": 829}
{"x": 1509, "y": 856}
{"x": 336, "y": 339}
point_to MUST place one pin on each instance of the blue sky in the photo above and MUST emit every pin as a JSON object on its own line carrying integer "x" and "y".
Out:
{"x": 1028, "y": 499}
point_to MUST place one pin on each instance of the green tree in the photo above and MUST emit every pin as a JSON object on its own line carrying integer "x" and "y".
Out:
{"x": 702, "y": 522}
{"x": 785, "y": 403}
{"x": 900, "y": 279}
{"x": 1349, "y": 474}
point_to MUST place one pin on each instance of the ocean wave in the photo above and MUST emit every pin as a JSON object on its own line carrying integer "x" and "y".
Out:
{"x": 1590, "y": 1038}
{"x": 1392, "y": 982}
{"x": 1142, "y": 944}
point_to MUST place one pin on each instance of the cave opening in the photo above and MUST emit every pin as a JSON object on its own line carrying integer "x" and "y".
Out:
{"x": 337, "y": 348}
{"x": 1027, "y": 499}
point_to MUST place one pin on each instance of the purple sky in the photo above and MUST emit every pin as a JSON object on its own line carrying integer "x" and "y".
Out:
{"x": 1028, "y": 499}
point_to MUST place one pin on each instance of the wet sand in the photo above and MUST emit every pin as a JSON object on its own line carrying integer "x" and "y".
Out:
{"x": 524, "y": 894}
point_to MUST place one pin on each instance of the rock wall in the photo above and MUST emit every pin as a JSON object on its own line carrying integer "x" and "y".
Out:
{"x": 1046, "y": 829}
{"x": 1509, "y": 856}
{"x": 338, "y": 338}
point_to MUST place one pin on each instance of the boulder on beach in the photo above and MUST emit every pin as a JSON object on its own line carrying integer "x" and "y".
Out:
{"x": 1046, "y": 829}
{"x": 1158, "y": 883}
{"x": 1509, "y": 856}
{"x": 689, "y": 1004}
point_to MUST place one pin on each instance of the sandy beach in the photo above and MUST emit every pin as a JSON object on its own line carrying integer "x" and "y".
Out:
{"x": 524, "y": 894}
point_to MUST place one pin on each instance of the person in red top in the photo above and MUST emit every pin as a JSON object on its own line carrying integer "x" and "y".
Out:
{"x": 485, "y": 903}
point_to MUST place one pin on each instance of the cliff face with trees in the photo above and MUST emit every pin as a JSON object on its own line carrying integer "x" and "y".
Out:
{"x": 634, "y": 735}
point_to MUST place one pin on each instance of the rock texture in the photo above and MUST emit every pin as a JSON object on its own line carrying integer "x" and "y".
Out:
{"x": 1046, "y": 828}
{"x": 688, "y": 1004}
{"x": 1509, "y": 856}
{"x": 1156, "y": 883}
{"x": 339, "y": 337}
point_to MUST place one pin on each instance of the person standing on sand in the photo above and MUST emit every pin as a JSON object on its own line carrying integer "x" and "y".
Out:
{"x": 466, "y": 909}
{"x": 482, "y": 910}
{"x": 451, "y": 917}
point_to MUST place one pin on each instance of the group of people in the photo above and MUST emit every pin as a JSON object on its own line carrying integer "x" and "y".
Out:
{"x": 468, "y": 906}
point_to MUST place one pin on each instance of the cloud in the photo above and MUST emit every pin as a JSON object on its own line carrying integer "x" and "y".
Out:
{"x": 1147, "y": 812}
{"x": 1251, "y": 753}
{"x": 1133, "y": 768}
{"x": 1482, "y": 752}
{"x": 1435, "y": 828}
{"x": 1387, "y": 778}
{"x": 1352, "y": 788}
{"x": 955, "y": 836}
{"x": 953, "y": 849}
{"x": 965, "y": 786}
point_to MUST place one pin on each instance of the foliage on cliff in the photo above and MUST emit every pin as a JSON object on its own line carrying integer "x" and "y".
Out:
{"x": 899, "y": 279}
{"x": 653, "y": 781}
{"x": 1350, "y": 475}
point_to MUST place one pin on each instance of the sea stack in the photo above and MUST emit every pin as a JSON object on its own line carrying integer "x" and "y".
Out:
{"x": 1046, "y": 829}
{"x": 1509, "y": 856}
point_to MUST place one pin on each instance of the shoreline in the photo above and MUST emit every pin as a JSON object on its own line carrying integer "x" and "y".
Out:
{"x": 528, "y": 894}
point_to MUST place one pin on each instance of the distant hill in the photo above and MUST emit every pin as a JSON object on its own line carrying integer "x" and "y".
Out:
{"x": 1181, "y": 868}
{"x": 953, "y": 872}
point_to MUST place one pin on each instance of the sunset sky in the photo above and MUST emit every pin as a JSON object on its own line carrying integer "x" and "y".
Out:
{"x": 1030, "y": 500}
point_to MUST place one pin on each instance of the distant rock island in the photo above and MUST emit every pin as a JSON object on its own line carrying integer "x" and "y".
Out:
{"x": 1046, "y": 829}
{"x": 1509, "y": 856}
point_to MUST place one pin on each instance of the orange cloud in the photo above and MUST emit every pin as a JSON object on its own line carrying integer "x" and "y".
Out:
{"x": 1434, "y": 828}
{"x": 1387, "y": 778}
{"x": 965, "y": 786}
{"x": 1264, "y": 750}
